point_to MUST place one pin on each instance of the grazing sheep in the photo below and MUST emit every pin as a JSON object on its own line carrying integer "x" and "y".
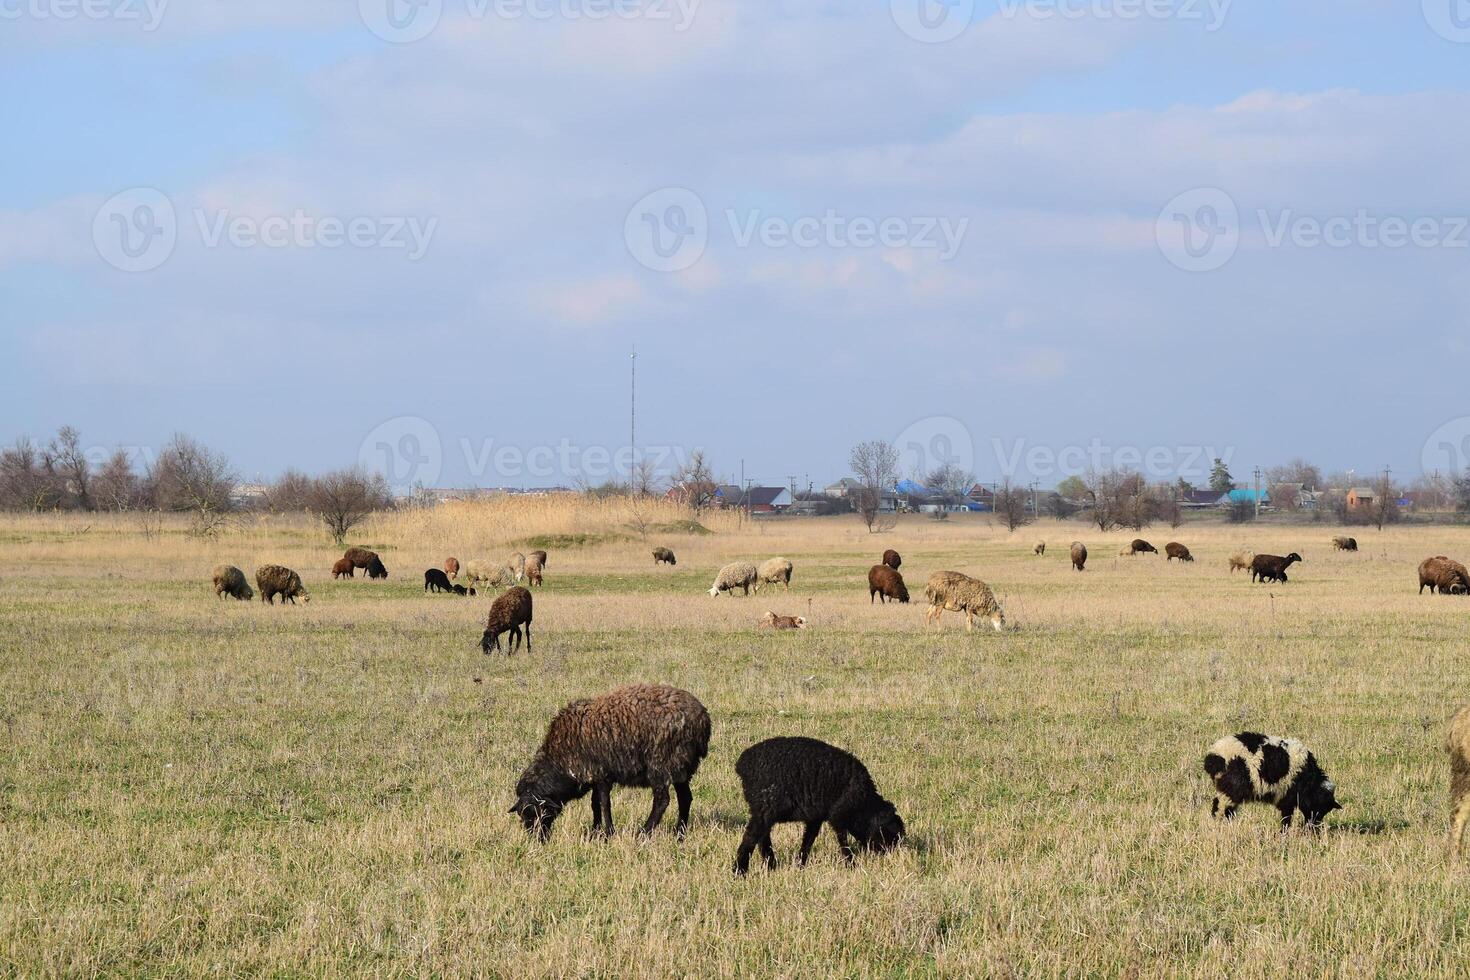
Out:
{"x": 517, "y": 563}
{"x": 537, "y": 556}
{"x": 1040, "y": 548}
{"x": 892, "y": 559}
{"x": 773, "y": 571}
{"x": 886, "y": 583}
{"x": 343, "y": 568}
{"x": 1443, "y": 575}
{"x": 1176, "y": 550}
{"x": 1079, "y": 556}
{"x": 1272, "y": 568}
{"x": 664, "y": 555}
{"x": 461, "y": 590}
{"x": 640, "y": 735}
{"x": 508, "y": 613}
{"x": 1138, "y": 546}
{"x": 803, "y": 780}
{"x": 1457, "y": 744}
{"x": 1241, "y": 560}
{"x": 772, "y": 621}
{"x": 436, "y": 581}
{"x": 451, "y": 567}
{"x": 230, "y": 581}
{"x": 1345, "y": 543}
{"x": 956, "y": 592}
{"x": 375, "y": 569}
{"x": 360, "y": 557}
{"x": 736, "y": 575}
{"x": 533, "y": 569}
{"x": 1253, "y": 767}
{"x": 278, "y": 580}
{"x": 477, "y": 571}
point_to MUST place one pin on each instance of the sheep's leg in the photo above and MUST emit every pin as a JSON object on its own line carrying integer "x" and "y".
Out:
{"x": 660, "y": 804}
{"x": 755, "y": 834}
{"x": 681, "y": 791}
{"x": 845, "y": 844}
{"x": 528, "y": 636}
{"x": 808, "y": 838}
{"x": 1285, "y": 809}
{"x": 969, "y": 621}
{"x": 596, "y": 809}
{"x": 607, "y": 820}
{"x": 768, "y": 851}
{"x": 1457, "y": 828}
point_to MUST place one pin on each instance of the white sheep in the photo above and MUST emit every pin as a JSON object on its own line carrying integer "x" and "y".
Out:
{"x": 736, "y": 575}
{"x": 772, "y": 571}
{"x": 481, "y": 572}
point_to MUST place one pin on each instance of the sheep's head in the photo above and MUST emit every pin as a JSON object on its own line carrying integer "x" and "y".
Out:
{"x": 537, "y": 814}
{"x": 801, "y": 622}
{"x": 1317, "y": 801}
{"x": 998, "y": 618}
{"x": 882, "y": 829}
{"x": 490, "y": 640}
{"x": 1294, "y": 557}
{"x": 714, "y": 591}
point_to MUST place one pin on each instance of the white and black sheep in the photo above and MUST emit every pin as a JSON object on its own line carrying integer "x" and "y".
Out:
{"x": 1251, "y": 767}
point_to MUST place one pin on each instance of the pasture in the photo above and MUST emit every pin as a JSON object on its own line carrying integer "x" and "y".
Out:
{"x": 199, "y": 786}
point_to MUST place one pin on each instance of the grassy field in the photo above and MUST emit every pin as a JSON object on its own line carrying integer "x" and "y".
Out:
{"x": 189, "y": 786}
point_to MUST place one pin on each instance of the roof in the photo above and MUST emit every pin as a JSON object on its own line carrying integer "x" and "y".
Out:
{"x": 1362, "y": 491}
{"x": 1201, "y": 497}
{"x": 1240, "y": 495}
{"x": 755, "y": 496}
{"x": 909, "y": 486}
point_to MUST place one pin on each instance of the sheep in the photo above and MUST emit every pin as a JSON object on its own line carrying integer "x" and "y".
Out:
{"x": 375, "y": 569}
{"x": 885, "y": 583}
{"x": 360, "y": 557}
{"x": 1040, "y": 549}
{"x": 537, "y": 556}
{"x": 772, "y": 621}
{"x": 1344, "y": 543}
{"x": 517, "y": 562}
{"x": 1138, "y": 546}
{"x": 343, "y": 568}
{"x": 1079, "y": 556}
{"x": 956, "y": 592}
{"x": 640, "y": 735}
{"x": 1443, "y": 575}
{"x": 278, "y": 580}
{"x": 436, "y": 581}
{"x": 508, "y": 613}
{"x": 664, "y": 555}
{"x": 772, "y": 571}
{"x": 1176, "y": 550}
{"x": 230, "y": 581}
{"x": 1272, "y": 568}
{"x": 461, "y": 590}
{"x": 451, "y": 567}
{"x": 803, "y": 780}
{"x": 736, "y": 575}
{"x": 1241, "y": 560}
{"x": 477, "y": 571}
{"x": 1253, "y": 767}
{"x": 892, "y": 559}
{"x": 1457, "y": 744}
{"x": 533, "y": 568}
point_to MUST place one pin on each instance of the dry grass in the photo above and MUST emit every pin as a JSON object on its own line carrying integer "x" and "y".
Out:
{"x": 191, "y": 786}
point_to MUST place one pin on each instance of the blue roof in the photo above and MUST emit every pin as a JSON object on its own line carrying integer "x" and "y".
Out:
{"x": 909, "y": 486}
{"x": 1247, "y": 496}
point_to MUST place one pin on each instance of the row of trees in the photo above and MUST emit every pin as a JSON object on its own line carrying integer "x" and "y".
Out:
{"x": 185, "y": 477}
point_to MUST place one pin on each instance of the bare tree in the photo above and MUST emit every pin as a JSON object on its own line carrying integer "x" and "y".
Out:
{"x": 116, "y": 487}
{"x": 643, "y": 480}
{"x": 69, "y": 461}
{"x": 1060, "y": 507}
{"x": 1013, "y": 506}
{"x": 694, "y": 483}
{"x": 345, "y": 498}
{"x": 1167, "y": 506}
{"x": 27, "y": 479}
{"x": 875, "y": 464}
{"x": 1105, "y": 493}
{"x": 1385, "y": 507}
{"x": 189, "y": 477}
{"x": 292, "y": 491}
{"x": 949, "y": 482}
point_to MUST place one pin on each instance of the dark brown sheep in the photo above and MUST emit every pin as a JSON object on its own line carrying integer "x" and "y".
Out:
{"x": 1272, "y": 568}
{"x": 343, "y": 568}
{"x": 278, "y": 580}
{"x": 664, "y": 555}
{"x": 508, "y": 613}
{"x": 360, "y": 557}
{"x": 1443, "y": 575}
{"x": 1344, "y": 543}
{"x": 1079, "y": 556}
{"x": 230, "y": 581}
{"x": 892, "y": 559}
{"x": 640, "y": 735}
{"x": 539, "y": 556}
{"x": 1138, "y": 546}
{"x": 451, "y": 567}
{"x": 533, "y": 568}
{"x": 1176, "y": 550}
{"x": 885, "y": 582}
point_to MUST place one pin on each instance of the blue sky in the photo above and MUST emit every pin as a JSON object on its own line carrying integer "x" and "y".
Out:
{"x": 1031, "y": 295}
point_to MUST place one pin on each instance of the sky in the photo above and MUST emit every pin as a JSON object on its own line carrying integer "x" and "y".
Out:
{"x": 1023, "y": 236}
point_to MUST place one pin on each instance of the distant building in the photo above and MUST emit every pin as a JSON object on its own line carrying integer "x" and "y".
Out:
{"x": 1200, "y": 499}
{"x": 1241, "y": 495}
{"x": 843, "y": 488}
{"x": 1360, "y": 497}
{"x": 758, "y": 500}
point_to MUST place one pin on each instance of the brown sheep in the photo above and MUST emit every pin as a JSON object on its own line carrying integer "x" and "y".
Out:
{"x": 451, "y": 567}
{"x": 1040, "y": 548}
{"x": 360, "y": 557}
{"x": 774, "y": 571}
{"x": 772, "y": 621}
{"x": 508, "y": 613}
{"x": 230, "y": 581}
{"x": 1138, "y": 546}
{"x": 343, "y": 568}
{"x": 1272, "y": 568}
{"x": 278, "y": 580}
{"x": 533, "y": 569}
{"x": 1241, "y": 560}
{"x": 1176, "y": 550}
{"x": 664, "y": 555}
{"x": 1079, "y": 556}
{"x": 957, "y": 592}
{"x": 539, "y": 556}
{"x": 1457, "y": 744}
{"x": 885, "y": 582}
{"x": 640, "y": 735}
{"x": 1443, "y": 575}
{"x": 891, "y": 559}
{"x": 1344, "y": 543}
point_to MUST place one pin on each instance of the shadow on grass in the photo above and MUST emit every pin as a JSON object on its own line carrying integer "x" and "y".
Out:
{"x": 1369, "y": 826}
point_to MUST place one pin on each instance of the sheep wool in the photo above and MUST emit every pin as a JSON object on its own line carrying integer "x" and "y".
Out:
{"x": 957, "y": 592}
{"x": 736, "y": 575}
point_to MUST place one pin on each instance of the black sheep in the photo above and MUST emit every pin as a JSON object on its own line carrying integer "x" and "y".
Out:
{"x": 808, "y": 781}
{"x": 436, "y": 581}
{"x": 1272, "y": 568}
{"x": 461, "y": 590}
{"x": 376, "y": 569}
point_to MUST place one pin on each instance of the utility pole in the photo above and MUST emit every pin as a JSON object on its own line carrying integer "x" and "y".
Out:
{"x": 1258, "y": 492}
{"x": 632, "y": 415}
{"x": 1035, "y": 507}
